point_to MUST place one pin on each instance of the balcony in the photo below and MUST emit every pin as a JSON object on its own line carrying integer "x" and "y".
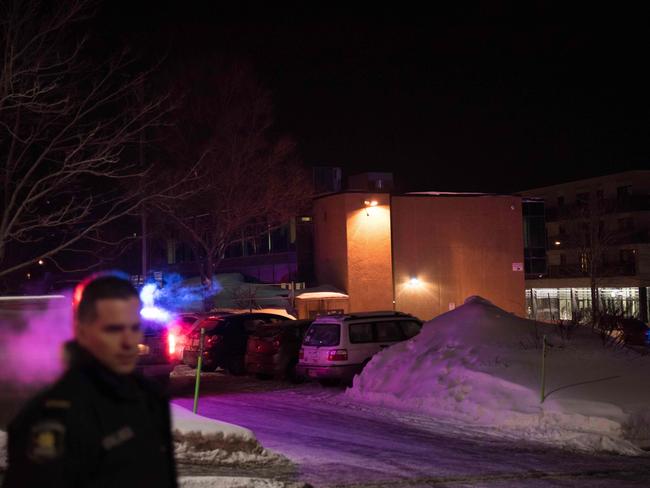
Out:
{"x": 604, "y": 271}
{"x": 632, "y": 203}
{"x": 609, "y": 238}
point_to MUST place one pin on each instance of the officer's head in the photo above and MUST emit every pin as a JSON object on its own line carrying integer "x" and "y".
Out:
{"x": 107, "y": 321}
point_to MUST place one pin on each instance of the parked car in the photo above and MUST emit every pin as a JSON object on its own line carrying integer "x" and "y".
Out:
{"x": 336, "y": 347}
{"x": 156, "y": 353}
{"x": 273, "y": 349}
{"x": 180, "y": 329}
{"x": 635, "y": 332}
{"x": 225, "y": 341}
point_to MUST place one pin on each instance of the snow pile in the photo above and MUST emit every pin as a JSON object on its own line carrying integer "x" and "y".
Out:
{"x": 481, "y": 365}
{"x": 233, "y": 482}
{"x": 3, "y": 450}
{"x": 200, "y": 440}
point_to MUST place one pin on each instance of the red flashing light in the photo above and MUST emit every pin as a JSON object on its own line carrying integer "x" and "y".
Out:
{"x": 337, "y": 355}
{"x": 171, "y": 343}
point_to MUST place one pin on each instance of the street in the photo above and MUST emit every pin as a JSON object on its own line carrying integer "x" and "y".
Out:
{"x": 336, "y": 443}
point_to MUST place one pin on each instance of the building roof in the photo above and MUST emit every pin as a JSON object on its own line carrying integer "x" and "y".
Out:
{"x": 588, "y": 181}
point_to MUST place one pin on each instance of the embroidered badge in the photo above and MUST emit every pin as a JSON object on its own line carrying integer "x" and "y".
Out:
{"x": 53, "y": 403}
{"x": 117, "y": 438}
{"x": 46, "y": 441}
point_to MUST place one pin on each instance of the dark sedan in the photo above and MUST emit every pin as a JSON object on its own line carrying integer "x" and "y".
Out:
{"x": 225, "y": 341}
{"x": 273, "y": 349}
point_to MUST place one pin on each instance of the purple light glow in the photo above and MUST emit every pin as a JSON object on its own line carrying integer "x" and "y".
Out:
{"x": 156, "y": 314}
{"x": 150, "y": 311}
{"x": 32, "y": 333}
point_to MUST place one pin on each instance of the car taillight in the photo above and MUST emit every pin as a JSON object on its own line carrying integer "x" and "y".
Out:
{"x": 301, "y": 354}
{"x": 171, "y": 343}
{"x": 337, "y": 355}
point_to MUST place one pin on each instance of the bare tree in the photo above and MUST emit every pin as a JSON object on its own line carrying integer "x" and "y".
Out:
{"x": 591, "y": 239}
{"x": 252, "y": 179}
{"x": 66, "y": 124}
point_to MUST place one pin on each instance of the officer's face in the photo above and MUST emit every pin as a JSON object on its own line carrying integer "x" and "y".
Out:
{"x": 113, "y": 336}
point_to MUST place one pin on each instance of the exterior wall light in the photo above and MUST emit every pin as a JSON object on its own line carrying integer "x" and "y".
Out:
{"x": 414, "y": 282}
{"x": 557, "y": 243}
{"x": 369, "y": 204}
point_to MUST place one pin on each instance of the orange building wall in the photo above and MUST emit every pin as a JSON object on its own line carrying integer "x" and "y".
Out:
{"x": 457, "y": 247}
{"x": 330, "y": 246}
{"x": 352, "y": 248}
{"x": 369, "y": 253}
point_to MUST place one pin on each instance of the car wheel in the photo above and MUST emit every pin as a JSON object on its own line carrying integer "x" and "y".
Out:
{"x": 207, "y": 367}
{"x": 329, "y": 381}
{"x": 291, "y": 373}
{"x": 163, "y": 381}
{"x": 236, "y": 366}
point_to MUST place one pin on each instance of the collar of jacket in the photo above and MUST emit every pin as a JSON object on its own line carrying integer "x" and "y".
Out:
{"x": 125, "y": 387}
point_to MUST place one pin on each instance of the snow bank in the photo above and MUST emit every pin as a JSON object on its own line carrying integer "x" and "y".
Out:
{"x": 3, "y": 450}
{"x": 201, "y": 440}
{"x": 233, "y": 482}
{"x": 480, "y": 365}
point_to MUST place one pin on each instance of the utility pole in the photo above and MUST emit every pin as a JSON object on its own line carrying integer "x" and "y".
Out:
{"x": 143, "y": 219}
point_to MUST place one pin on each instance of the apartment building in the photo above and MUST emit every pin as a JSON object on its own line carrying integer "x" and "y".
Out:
{"x": 596, "y": 228}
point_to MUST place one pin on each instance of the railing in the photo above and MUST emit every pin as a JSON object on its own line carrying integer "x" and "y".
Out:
{"x": 607, "y": 270}
{"x": 574, "y": 211}
{"x": 608, "y": 238}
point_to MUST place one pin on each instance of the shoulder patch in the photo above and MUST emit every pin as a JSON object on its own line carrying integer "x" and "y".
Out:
{"x": 55, "y": 403}
{"x": 46, "y": 441}
{"x": 116, "y": 438}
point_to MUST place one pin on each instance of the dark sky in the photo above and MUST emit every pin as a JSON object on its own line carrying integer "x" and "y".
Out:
{"x": 468, "y": 101}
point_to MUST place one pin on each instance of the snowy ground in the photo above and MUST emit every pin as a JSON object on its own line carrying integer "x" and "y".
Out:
{"x": 334, "y": 441}
{"x": 200, "y": 440}
{"x": 479, "y": 367}
{"x": 233, "y": 482}
{"x": 3, "y": 450}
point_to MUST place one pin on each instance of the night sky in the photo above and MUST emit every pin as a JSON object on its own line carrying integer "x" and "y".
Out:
{"x": 468, "y": 101}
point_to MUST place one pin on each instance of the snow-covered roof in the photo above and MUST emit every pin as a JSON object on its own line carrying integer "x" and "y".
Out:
{"x": 322, "y": 292}
{"x": 455, "y": 194}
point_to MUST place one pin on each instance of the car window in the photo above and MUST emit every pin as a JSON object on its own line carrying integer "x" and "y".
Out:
{"x": 188, "y": 320}
{"x": 323, "y": 335}
{"x": 387, "y": 332}
{"x": 360, "y": 333}
{"x": 252, "y": 323}
{"x": 213, "y": 325}
{"x": 410, "y": 328}
{"x": 269, "y": 318}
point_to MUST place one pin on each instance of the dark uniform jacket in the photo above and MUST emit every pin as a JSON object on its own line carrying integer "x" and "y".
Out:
{"x": 93, "y": 428}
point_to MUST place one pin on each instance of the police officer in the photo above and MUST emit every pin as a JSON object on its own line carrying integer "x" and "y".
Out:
{"x": 100, "y": 425}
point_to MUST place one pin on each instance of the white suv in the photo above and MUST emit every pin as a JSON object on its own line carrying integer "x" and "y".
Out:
{"x": 339, "y": 346}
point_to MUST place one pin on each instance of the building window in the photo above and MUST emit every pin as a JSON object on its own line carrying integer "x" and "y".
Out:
{"x": 561, "y": 230}
{"x": 584, "y": 262}
{"x": 563, "y": 259}
{"x": 582, "y": 198}
{"x": 626, "y": 255}
{"x": 622, "y": 192}
{"x": 560, "y": 201}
